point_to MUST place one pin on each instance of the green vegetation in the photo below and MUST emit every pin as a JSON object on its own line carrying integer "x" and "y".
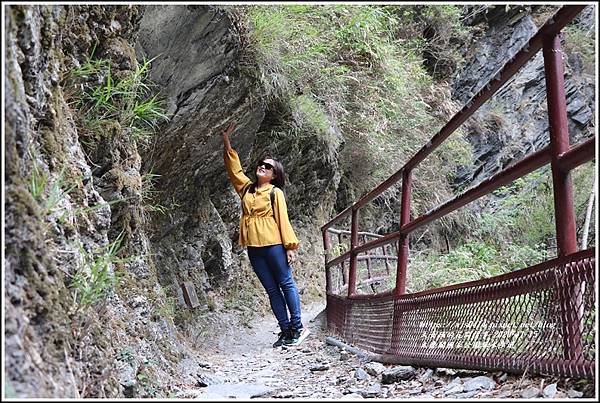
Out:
{"x": 97, "y": 276}
{"x": 147, "y": 379}
{"x": 37, "y": 182}
{"x": 471, "y": 261}
{"x": 48, "y": 197}
{"x": 524, "y": 213}
{"x": 362, "y": 66}
{"x": 126, "y": 355}
{"x": 125, "y": 97}
{"x": 149, "y": 192}
{"x": 515, "y": 230}
{"x": 164, "y": 308}
{"x": 337, "y": 249}
{"x": 581, "y": 42}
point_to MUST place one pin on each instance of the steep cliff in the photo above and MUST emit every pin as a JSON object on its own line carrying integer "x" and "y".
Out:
{"x": 84, "y": 195}
{"x": 514, "y": 122}
{"x": 75, "y": 216}
{"x": 111, "y": 208}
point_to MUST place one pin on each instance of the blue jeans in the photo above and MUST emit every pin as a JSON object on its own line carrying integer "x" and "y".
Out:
{"x": 275, "y": 274}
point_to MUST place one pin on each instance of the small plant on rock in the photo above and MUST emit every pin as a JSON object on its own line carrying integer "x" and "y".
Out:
{"x": 125, "y": 97}
{"x": 93, "y": 283}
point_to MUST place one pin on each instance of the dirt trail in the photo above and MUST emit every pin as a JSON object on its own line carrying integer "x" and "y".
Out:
{"x": 243, "y": 364}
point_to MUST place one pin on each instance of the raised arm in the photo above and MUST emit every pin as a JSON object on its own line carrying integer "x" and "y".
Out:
{"x": 232, "y": 163}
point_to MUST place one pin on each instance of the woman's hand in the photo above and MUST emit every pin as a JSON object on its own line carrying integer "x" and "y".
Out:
{"x": 291, "y": 256}
{"x": 226, "y": 134}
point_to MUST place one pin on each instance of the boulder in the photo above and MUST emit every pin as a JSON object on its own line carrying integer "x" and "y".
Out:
{"x": 401, "y": 373}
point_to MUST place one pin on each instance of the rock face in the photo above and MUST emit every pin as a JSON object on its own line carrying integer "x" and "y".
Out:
{"x": 72, "y": 194}
{"x": 51, "y": 231}
{"x": 77, "y": 189}
{"x": 197, "y": 53}
{"x": 514, "y": 122}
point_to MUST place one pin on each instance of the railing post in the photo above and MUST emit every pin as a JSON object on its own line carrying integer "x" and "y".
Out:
{"x": 402, "y": 260}
{"x": 403, "y": 241}
{"x": 344, "y": 276}
{"x": 566, "y": 238}
{"x": 353, "y": 255}
{"x": 327, "y": 245}
{"x": 387, "y": 263}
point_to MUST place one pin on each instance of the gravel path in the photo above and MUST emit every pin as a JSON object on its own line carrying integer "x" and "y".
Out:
{"x": 243, "y": 365}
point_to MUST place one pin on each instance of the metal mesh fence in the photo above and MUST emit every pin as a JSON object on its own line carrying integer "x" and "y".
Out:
{"x": 540, "y": 319}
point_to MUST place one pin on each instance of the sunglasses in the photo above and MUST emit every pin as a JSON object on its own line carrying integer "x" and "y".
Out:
{"x": 265, "y": 165}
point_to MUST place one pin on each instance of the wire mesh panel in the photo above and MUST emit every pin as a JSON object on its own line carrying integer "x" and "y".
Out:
{"x": 372, "y": 323}
{"x": 336, "y": 314}
{"x": 540, "y": 319}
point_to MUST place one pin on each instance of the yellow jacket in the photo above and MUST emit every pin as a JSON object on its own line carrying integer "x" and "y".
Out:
{"x": 258, "y": 226}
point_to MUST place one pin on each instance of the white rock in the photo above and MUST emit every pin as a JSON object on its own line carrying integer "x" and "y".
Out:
{"x": 374, "y": 368}
{"x": 351, "y": 396}
{"x": 479, "y": 382}
{"x": 550, "y": 390}
{"x": 454, "y": 389}
{"x": 361, "y": 374}
{"x": 530, "y": 392}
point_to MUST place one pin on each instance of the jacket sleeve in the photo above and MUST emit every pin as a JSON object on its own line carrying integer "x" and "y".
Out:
{"x": 235, "y": 172}
{"x": 288, "y": 237}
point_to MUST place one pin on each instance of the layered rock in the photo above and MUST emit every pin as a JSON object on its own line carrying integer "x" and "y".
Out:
{"x": 62, "y": 216}
{"x": 128, "y": 344}
{"x": 514, "y": 122}
{"x": 198, "y": 63}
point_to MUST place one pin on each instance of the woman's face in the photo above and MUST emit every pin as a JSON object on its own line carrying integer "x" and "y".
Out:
{"x": 264, "y": 171}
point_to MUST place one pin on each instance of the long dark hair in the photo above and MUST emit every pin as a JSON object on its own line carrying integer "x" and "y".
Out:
{"x": 278, "y": 171}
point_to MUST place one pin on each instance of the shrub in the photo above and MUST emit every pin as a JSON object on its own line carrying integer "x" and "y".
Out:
{"x": 580, "y": 41}
{"x": 471, "y": 261}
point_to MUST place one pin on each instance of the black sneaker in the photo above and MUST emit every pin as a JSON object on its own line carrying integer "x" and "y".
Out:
{"x": 297, "y": 336}
{"x": 284, "y": 338}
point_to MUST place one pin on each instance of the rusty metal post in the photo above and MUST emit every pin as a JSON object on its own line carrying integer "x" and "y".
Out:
{"x": 344, "y": 276}
{"x": 403, "y": 242}
{"x": 402, "y": 259}
{"x": 566, "y": 237}
{"x": 387, "y": 263}
{"x": 327, "y": 245}
{"x": 353, "y": 255}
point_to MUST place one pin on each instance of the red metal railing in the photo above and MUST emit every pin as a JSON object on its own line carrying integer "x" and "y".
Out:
{"x": 510, "y": 322}
{"x": 378, "y": 263}
{"x": 557, "y": 293}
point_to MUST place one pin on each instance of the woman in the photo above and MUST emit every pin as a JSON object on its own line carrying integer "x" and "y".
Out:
{"x": 266, "y": 231}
